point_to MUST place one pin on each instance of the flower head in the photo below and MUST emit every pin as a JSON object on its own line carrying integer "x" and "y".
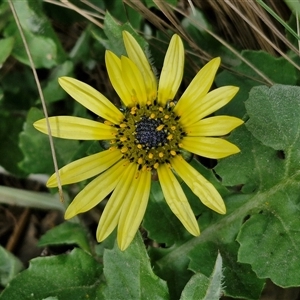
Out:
{"x": 147, "y": 137}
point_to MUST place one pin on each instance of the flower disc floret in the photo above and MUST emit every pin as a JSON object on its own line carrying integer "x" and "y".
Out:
{"x": 149, "y": 135}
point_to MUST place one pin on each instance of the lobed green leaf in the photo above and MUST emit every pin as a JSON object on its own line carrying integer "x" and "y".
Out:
{"x": 67, "y": 233}
{"x": 76, "y": 275}
{"x": 129, "y": 274}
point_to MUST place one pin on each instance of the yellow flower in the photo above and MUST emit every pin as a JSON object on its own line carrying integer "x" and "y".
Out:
{"x": 146, "y": 138}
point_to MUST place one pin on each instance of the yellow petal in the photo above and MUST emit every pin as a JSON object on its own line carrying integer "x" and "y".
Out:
{"x": 114, "y": 69}
{"x": 199, "y": 86}
{"x": 172, "y": 71}
{"x": 177, "y": 200}
{"x": 202, "y": 188}
{"x": 208, "y": 104}
{"x": 75, "y": 128}
{"x": 85, "y": 168}
{"x": 209, "y": 147}
{"x": 111, "y": 214}
{"x": 134, "y": 208}
{"x": 133, "y": 80}
{"x": 213, "y": 126}
{"x": 91, "y": 99}
{"x": 96, "y": 190}
{"x": 136, "y": 54}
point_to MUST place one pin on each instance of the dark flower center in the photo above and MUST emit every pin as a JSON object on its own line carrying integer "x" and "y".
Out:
{"x": 148, "y": 135}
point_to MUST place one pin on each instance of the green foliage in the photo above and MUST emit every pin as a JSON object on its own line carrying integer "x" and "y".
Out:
{"x": 113, "y": 33}
{"x": 62, "y": 276}
{"x": 32, "y": 199}
{"x": 52, "y": 91}
{"x": 272, "y": 223}
{"x": 245, "y": 77}
{"x": 151, "y": 3}
{"x": 39, "y": 34}
{"x": 10, "y": 266}
{"x": 129, "y": 274}
{"x": 202, "y": 287}
{"x": 66, "y": 233}
{"x": 10, "y": 153}
{"x": 6, "y": 45}
{"x": 275, "y": 226}
{"x": 257, "y": 239}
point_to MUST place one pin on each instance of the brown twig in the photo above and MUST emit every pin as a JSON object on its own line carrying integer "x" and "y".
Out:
{"x": 18, "y": 230}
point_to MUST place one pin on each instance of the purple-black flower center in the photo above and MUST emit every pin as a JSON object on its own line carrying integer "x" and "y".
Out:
{"x": 148, "y": 135}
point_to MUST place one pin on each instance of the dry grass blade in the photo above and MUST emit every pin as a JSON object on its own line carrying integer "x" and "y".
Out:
{"x": 65, "y": 5}
{"x": 223, "y": 42}
{"x": 96, "y": 8}
{"x": 279, "y": 20}
{"x": 259, "y": 31}
{"x": 192, "y": 7}
{"x": 41, "y": 96}
{"x": 168, "y": 11}
{"x": 254, "y": 18}
{"x": 148, "y": 15}
{"x": 234, "y": 28}
{"x": 82, "y": 12}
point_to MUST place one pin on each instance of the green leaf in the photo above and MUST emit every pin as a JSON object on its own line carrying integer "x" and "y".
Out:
{"x": 270, "y": 232}
{"x": 195, "y": 289}
{"x": 53, "y": 91}
{"x": 5, "y": 15}
{"x": 20, "y": 91}
{"x": 171, "y": 264}
{"x": 9, "y": 266}
{"x": 129, "y": 274}
{"x": 13, "y": 196}
{"x": 81, "y": 51}
{"x": 113, "y": 32}
{"x": 36, "y": 149}
{"x": 42, "y": 40}
{"x": 234, "y": 272}
{"x": 239, "y": 279}
{"x": 274, "y": 115}
{"x": 67, "y": 233}
{"x": 255, "y": 166}
{"x": 246, "y": 78}
{"x": 6, "y": 46}
{"x": 68, "y": 276}
{"x": 203, "y": 288}
{"x": 151, "y": 3}
{"x": 42, "y": 59}
{"x": 124, "y": 13}
{"x": 10, "y": 154}
{"x": 293, "y": 5}
{"x": 267, "y": 239}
